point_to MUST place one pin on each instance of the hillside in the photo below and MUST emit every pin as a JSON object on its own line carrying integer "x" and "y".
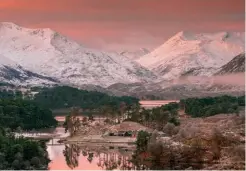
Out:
{"x": 194, "y": 54}
{"x": 48, "y": 53}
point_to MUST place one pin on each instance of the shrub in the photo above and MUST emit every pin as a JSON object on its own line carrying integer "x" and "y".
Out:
{"x": 169, "y": 129}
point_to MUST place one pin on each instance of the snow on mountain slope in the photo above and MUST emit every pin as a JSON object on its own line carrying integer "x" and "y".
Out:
{"x": 11, "y": 72}
{"x": 194, "y": 54}
{"x": 48, "y": 53}
{"x": 134, "y": 55}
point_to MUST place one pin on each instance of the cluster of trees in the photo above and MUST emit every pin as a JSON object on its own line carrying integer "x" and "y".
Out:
{"x": 202, "y": 107}
{"x": 24, "y": 114}
{"x": 72, "y": 123}
{"x": 65, "y": 97}
{"x": 21, "y": 153}
{"x": 157, "y": 117}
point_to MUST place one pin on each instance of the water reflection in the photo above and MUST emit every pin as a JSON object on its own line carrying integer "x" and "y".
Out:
{"x": 99, "y": 158}
{"x": 71, "y": 154}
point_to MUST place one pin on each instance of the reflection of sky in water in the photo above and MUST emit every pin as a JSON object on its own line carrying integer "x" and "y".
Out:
{"x": 55, "y": 151}
{"x": 59, "y": 163}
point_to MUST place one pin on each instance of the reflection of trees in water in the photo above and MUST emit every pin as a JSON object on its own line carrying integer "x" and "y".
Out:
{"x": 106, "y": 160}
{"x": 71, "y": 154}
{"x": 110, "y": 161}
{"x": 90, "y": 157}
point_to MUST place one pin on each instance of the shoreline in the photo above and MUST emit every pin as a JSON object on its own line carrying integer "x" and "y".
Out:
{"x": 99, "y": 141}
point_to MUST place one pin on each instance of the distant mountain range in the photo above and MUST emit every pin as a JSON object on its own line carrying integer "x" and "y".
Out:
{"x": 194, "y": 54}
{"x": 42, "y": 57}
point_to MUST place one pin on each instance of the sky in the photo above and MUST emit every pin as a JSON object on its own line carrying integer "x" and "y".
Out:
{"x": 125, "y": 24}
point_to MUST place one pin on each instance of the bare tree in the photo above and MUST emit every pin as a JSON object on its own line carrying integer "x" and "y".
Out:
{"x": 73, "y": 123}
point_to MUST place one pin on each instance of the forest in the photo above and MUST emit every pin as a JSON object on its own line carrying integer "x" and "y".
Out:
{"x": 66, "y": 97}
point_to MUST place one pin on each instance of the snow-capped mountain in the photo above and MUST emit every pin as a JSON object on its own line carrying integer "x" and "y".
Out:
{"x": 194, "y": 54}
{"x": 134, "y": 55}
{"x": 236, "y": 65}
{"x": 48, "y": 53}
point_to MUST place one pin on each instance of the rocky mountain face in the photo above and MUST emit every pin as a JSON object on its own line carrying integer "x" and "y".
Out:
{"x": 48, "y": 53}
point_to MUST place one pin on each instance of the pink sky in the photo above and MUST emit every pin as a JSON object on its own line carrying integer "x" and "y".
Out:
{"x": 130, "y": 24}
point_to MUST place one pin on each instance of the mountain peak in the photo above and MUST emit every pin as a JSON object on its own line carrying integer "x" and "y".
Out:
{"x": 181, "y": 36}
{"x": 10, "y": 29}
